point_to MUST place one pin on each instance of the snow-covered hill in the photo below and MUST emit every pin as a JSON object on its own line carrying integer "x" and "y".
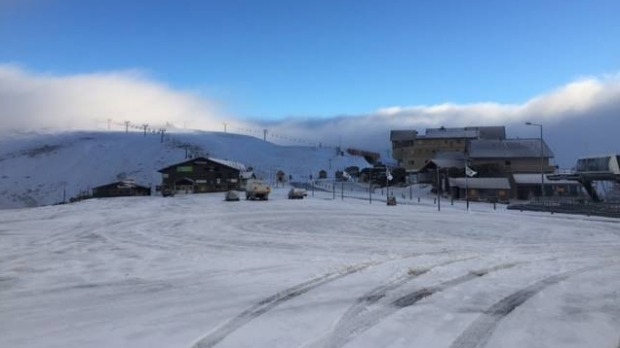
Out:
{"x": 40, "y": 169}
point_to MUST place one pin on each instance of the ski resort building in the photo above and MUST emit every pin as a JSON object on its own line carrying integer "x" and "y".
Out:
{"x": 504, "y": 168}
{"x": 200, "y": 175}
{"x": 413, "y": 151}
{"x": 123, "y": 188}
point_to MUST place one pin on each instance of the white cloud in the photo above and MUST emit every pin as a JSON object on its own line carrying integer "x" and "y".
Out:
{"x": 86, "y": 101}
{"x": 580, "y": 118}
{"x": 572, "y": 100}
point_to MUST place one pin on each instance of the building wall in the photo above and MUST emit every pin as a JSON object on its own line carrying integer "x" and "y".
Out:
{"x": 423, "y": 150}
{"x": 528, "y": 191}
{"x": 113, "y": 190}
{"x": 489, "y": 195}
{"x": 515, "y": 165}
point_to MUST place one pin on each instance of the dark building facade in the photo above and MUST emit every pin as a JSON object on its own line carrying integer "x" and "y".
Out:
{"x": 200, "y": 175}
{"x": 120, "y": 189}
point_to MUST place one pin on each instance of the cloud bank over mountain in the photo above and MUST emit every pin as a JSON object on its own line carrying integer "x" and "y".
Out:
{"x": 86, "y": 101}
{"x": 580, "y": 118}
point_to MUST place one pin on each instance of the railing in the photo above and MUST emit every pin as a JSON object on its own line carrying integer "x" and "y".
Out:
{"x": 566, "y": 205}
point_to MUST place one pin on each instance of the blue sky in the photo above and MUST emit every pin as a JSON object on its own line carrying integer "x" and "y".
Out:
{"x": 273, "y": 59}
{"x": 331, "y": 72}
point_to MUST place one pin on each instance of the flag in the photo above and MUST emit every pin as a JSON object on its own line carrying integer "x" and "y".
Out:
{"x": 470, "y": 172}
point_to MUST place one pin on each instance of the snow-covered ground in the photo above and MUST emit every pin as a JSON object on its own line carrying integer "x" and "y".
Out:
{"x": 195, "y": 271}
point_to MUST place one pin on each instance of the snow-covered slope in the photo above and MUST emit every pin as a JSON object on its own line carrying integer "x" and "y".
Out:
{"x": 194, "y": 271}
{"x": 41, "y": 169}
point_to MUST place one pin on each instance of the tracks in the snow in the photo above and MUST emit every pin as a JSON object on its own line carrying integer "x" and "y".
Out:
{"x": 368, "y": 312}
{"x": 270, "y": 302}
{"x": 263, "y": 306}
{"x": 378, "y": 304}
{"x": 478, "y": 332}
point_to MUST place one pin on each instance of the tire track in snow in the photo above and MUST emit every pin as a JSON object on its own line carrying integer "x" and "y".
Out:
{"x": 360, "y": 317}
{"x": 270, "y": 302}
{"x": 378, "y": 293}
{"x": 478, "y": 333}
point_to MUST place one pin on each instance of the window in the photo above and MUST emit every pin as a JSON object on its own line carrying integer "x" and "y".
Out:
{"x": 593, "y": 164}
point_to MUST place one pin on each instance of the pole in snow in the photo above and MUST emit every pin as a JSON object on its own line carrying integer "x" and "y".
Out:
{"x": 438, "y": 196}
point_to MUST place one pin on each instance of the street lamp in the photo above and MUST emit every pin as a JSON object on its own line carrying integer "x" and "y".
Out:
{"x": 542, "y": 176}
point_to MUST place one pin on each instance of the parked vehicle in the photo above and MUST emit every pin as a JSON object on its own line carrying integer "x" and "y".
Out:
{"x": 232, "y": 196}
{"x": 167, "y": 192}
{"x": 297, "y": 193}
{"x": 391, "y": 200}
{"x": 257, "y": 189}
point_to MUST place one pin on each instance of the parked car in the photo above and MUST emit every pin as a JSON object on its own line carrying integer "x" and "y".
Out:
{"x": 167, "y": 192}
{"x": 257, "y": 189}
{"x": 297, "y": 193}
{"x": 232, "y": 196}
{"x": 391, "y": 200}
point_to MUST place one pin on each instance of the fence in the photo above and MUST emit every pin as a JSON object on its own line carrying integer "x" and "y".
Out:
{"x": 570, "y": 206}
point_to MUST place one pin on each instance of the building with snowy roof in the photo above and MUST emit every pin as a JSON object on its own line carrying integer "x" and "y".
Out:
{"x": 199, "y": 175}
{"x": 511, "y": 155}
{"x": 413, "y": 151}
{"x": 123, "y": 188}
{"x": 441, "y": 156}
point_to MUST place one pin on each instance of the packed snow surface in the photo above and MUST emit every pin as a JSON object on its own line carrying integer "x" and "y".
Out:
{"x": 196, "y": 271}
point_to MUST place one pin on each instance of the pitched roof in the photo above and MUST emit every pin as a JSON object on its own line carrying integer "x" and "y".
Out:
{"x": 508, "y": 148}
{"x": 434, "y": 133}
{"x": 232, "y": 164}
{"x": 123, "y": 183}
{"x": 235, "y": 165}
{"x": 403, "y": 135}
{"x": 494, "y": 132}
{"x": 445, "y": 160}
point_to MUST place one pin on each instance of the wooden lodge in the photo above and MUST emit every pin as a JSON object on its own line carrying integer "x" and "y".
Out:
{"x": 121, "y": 189}
{"x": 200, "y": 175}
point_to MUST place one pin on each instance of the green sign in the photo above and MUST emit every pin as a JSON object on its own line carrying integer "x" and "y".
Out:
{"x": 187, "y": 169}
